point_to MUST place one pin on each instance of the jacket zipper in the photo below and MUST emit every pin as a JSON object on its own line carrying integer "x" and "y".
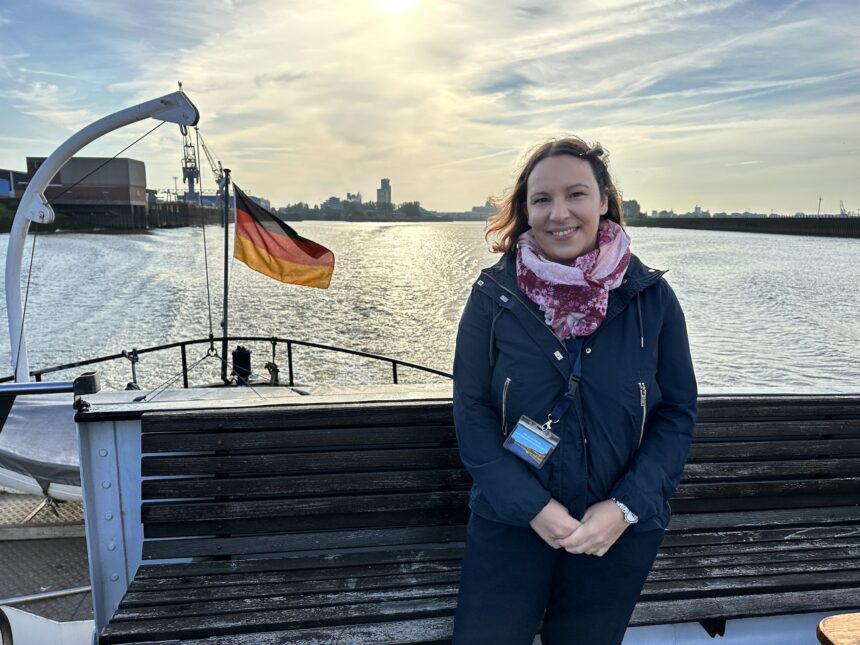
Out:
{"x": 643, "y": 401}
{"x": 505, "y": 405}
{"x": 536, "y": 317}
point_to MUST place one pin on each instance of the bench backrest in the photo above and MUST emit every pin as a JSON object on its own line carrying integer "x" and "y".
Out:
{"x": 299, "y": 478}
{"x": 771, "y": 461}
{"x": 316, "y": 477}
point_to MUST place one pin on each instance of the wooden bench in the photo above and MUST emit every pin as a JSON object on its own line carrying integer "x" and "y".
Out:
{"x": 344, "y": 523}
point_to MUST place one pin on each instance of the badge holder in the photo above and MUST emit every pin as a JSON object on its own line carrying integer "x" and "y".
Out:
{"x": 531, "y": 441}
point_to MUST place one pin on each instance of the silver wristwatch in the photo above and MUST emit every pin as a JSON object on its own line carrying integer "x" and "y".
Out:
{"x": 629, "y": 516}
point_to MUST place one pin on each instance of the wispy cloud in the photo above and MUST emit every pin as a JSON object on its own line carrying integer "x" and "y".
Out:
{"x": 26, "y": 70}
{"x": 445, "y": 97}
{"x": 50, "y": 103}
{"x": 24, "y": 141}
{"x": 744, "y": 163}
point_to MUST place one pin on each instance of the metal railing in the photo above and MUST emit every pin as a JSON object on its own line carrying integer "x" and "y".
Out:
{"x": 276, "y": 342}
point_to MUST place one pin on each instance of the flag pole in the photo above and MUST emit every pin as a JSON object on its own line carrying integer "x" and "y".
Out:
{"x": 224, "y": 343}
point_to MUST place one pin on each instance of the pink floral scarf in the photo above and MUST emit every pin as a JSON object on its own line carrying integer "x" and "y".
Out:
{"x": 573, "y": 297}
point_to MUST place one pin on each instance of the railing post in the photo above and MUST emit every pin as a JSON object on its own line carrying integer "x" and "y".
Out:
{"x": 184, "y": 366}
{"x": 290, "y": 361}
{"x": 394, "y": 370}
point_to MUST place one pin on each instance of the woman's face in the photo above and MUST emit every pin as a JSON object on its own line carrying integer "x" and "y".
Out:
{"x": 564, "y": 206}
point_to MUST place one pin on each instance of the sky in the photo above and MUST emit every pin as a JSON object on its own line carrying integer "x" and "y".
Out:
{"x": 726, "y": 104}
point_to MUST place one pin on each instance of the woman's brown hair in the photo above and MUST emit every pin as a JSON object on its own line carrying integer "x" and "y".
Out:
{"x": 505, "y": 227}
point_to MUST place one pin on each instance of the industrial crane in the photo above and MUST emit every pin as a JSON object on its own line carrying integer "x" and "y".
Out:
{"x": 217, "y": 170}
{"x": 190, "y": 170}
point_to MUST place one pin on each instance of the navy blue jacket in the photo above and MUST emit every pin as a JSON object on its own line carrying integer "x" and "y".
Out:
{"x": 628, "y": 432}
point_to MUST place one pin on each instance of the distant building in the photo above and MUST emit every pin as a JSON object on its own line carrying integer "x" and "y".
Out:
{"x": 12, "y": 183}
{"x": 95, "y": 180}
{"x": 383, "y": 193}
{"x": 486, "y": 210}
{"x": 332, "y": 204}
{"x": 353, "y": 197}
{"x": 98, "y": 190}
{"x": 697, "y": 212}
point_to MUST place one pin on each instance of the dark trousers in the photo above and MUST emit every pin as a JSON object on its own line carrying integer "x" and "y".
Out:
{"x": 512, "y": 579}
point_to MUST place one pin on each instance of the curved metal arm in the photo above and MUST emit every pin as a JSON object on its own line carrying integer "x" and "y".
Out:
{"x": 173, "y": 108}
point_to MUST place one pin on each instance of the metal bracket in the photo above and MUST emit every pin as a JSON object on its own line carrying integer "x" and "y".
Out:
{"x": 47, "y": 502}
{"x": 37, "y": 209}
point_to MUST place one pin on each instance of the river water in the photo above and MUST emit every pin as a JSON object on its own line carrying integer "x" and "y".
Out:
{"x": 765, "y": 313}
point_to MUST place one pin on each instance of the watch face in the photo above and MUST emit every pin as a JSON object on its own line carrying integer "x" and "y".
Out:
{"x": 629, "y": 516}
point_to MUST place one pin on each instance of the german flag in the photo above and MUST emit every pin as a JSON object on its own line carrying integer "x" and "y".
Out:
{"x": 267, "y": 245}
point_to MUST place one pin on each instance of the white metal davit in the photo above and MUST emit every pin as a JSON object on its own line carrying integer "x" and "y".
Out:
{"x": 34, "y": 207}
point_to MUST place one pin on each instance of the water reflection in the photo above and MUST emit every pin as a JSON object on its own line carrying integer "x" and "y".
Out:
{"x": 765, "y": 313}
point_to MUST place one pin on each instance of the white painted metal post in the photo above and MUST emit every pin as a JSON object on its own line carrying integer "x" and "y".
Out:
{"x": 173, "y": 108}
{"x": 110, "y": 478}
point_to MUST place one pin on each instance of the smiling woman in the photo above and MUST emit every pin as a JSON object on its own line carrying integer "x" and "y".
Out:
{"x": 395, "y": 6}
{"x": 568, "y": 327}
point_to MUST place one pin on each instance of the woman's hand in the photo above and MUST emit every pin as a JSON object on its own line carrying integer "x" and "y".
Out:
{"x": 553, "y": 524}
{"x": 602, "y": 524}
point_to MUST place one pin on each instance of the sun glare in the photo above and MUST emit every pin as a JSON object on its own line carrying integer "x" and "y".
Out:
{"x": 395, "y": 6}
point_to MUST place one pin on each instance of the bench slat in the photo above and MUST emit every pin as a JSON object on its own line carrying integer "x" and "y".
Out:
{"x": 778, "y": 430}
{"x": 322, "y": 580}
{"x": 196, "y": 627}
{"x": 297, "y": 463}
{"x": 341, "y": 415}
{"x": 421, "y": 630}
{"x": 227, "y": 603}
{"x": 758, "y": 570}
{"x": 743, "y": 606}
{"x": 316, "y": 564}
{"x": 166, "y": 549}
{"x": 669, "y": 559}
{"x": 299, "y": 485}
{"x": 324, "y": 522}
{"x": 747, "y": 408}
{"x": 769, "y": 548}
{"x": 286, "y": 438}
{"x": 286, "y": 508}
{"x": 734, "y": 471}
{"x": 765, "y": 518}
{"x": 744, "y": 450}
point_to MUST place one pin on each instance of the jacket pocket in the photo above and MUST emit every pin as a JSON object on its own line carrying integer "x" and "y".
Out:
{"x": 505, "y": 389}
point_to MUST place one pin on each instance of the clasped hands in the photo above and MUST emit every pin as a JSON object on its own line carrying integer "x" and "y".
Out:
{"x": 602, "y": 524}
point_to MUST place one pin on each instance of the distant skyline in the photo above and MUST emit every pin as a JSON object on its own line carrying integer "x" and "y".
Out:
{"x": 730, "y": 105}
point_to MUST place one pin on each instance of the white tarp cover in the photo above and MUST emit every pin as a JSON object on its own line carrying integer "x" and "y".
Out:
{"x": 39, "y": 439}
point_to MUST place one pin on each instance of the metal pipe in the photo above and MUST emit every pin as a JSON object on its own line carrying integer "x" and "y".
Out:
{"x": 87, "y": 383}
{"x": 226, "y": 272}
{"x": 17, "y": 600}
{"x": 184, "y": 367}
{"x": 48, "y": 387}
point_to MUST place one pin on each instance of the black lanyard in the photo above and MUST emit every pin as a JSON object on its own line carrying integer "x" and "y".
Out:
{"x": 574, "y": 354}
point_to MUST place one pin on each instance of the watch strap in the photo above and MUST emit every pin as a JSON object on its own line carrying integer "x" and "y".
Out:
{"x": 629, "y": 516}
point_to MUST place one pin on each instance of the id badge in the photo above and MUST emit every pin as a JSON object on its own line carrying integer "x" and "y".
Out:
{"x": 531, "y": 442}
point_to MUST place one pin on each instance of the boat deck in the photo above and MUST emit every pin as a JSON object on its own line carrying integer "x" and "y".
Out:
{"x": 47, "y": 553}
